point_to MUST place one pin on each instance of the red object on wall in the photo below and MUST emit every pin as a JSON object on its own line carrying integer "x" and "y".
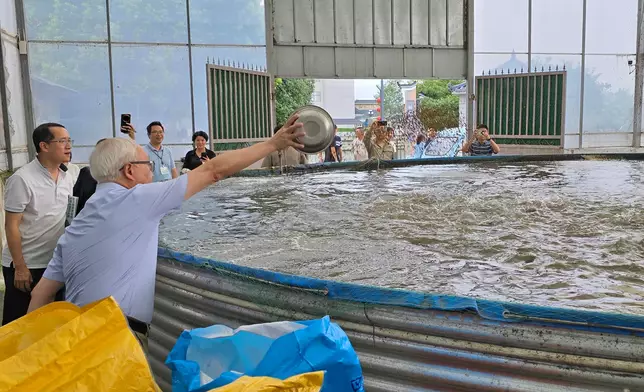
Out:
{"x": 379, "y": 118}
{"x": 378, "y": 109}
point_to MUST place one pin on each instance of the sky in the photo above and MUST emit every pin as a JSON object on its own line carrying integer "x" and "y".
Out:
{"x": 366, "y": 88}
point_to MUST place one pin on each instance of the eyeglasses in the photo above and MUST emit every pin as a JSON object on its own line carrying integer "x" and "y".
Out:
{"x": 149, "y": 163}
{"x": 62, "y": 141}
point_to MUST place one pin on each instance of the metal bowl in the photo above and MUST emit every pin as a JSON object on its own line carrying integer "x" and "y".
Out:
{"x": 319, "y": 129}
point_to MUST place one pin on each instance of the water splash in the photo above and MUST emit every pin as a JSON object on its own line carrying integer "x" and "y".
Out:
{"x": 553, "y": 233}
{"x": 447, "y": 142}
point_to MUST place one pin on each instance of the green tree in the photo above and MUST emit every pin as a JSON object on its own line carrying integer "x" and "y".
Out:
{"x": 438, "y": 107}
{"x": 290, "y": 94}
{"x": 393, "y": 102}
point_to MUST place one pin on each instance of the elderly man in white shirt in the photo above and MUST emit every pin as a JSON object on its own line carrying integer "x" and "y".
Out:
{"x": 111, "y": 246}
{"x": 36, "y": 198}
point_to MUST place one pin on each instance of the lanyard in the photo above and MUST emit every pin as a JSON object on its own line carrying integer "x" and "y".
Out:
{"x": 157, "y": 154}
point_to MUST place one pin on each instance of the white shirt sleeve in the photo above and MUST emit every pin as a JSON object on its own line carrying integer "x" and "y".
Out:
{"x": 17, "y": 195}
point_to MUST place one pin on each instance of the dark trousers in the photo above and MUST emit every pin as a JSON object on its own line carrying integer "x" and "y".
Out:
{"x": 16, "y": 302}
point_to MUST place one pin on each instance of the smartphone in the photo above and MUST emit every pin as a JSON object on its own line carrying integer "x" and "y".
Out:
{"x": 125, "y": 120}
{"x": 382, "y": 123}
{"x": 204, "y": 155}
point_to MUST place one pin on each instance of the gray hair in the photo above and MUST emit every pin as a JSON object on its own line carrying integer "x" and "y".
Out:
{"x": 109, "y": 157}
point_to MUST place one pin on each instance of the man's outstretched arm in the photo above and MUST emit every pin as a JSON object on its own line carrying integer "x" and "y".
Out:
{"x": 224, "y": 165}
{"x": 44, "y": 293}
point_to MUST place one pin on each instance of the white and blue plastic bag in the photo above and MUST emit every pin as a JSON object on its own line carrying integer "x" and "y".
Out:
{"x": 207, "y": 358}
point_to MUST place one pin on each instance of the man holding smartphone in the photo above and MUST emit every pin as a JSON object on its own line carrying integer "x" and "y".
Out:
{"x": 481, "y": 144}
{"x": 164, "y": 168}
{"x": 376, "y": 141}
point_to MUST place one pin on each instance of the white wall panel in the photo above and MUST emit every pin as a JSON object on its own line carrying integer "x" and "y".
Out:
{"x": 363, "y": 22}
{"x": 363, "y": 61}
{"x": 382, "y": 20}
{"x": 402, "y": 22}
{"x": 318, "y": 60}
{"x": 344, "y": 22}
{"x": 418, "y": 63}
{"x": 283, "y": 21}
{"x": 450, "y": 62}
{"x": 420, "y": 22}
{"x": 293, "y": 67}
{"x": 438, "y": 22}
{"x": 368, "y": 38}
{"x": 388, "y": 62}
{"x": 345, "y": 64}
{"x": 617, "y": 139}
{"x": 304, "y": 22}
{"x": 455, "y": 22}
{"x": 8, "y": 16}
{"x": 324, "y": 22}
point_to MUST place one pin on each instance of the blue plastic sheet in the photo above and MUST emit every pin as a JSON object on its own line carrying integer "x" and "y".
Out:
{"x": 496, "y": 311}
{"x": 207, "y": 358}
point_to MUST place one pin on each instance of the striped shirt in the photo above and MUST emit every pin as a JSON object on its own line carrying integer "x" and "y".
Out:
{"x": 478, "y": 148}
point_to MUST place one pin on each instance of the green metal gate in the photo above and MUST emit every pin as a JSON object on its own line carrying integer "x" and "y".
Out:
{"x": 523, "y": 108}
{"x": 239, "y": 106}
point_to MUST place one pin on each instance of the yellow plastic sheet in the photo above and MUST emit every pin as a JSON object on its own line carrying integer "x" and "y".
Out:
{"x": 307, "y": 382}
{"x": 64, "y": 348}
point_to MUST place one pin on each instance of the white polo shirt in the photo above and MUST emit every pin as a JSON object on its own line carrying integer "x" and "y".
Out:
{"x": 32, "y": 191}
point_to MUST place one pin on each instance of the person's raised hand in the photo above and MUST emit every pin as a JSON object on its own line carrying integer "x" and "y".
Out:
{"x": 129, "y": 130}
{"x": 288, "y": 135}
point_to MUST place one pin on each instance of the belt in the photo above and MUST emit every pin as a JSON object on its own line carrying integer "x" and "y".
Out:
{"x": 138, "y": 326}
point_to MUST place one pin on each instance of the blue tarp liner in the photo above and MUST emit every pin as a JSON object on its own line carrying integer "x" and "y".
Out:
{"x": 490, "y": 310}
{"x": 208, "y": 358}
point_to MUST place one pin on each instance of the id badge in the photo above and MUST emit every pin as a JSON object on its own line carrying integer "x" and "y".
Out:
{"x": 164, "y": 170}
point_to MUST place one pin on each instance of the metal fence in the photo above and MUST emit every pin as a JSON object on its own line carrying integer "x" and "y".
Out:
{"x": 523, "y": 108}
{"x": 406, "y": 341}
{"x": 239, "y": 105}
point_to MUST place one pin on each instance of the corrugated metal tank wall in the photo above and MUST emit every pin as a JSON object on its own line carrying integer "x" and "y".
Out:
{"x": 400, "y": 348}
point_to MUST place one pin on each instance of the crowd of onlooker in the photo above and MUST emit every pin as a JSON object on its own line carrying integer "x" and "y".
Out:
{"x": 377, "y": 142}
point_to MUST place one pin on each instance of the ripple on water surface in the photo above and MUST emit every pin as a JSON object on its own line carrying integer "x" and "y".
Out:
{"x": 559, "y": 234}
